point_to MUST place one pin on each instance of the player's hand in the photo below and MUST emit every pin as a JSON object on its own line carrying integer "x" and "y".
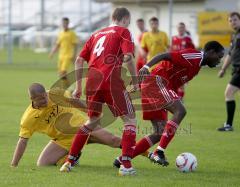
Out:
{"x": 77, "y": 93}
{"x": 142, "y": 73}
{"x": 133, "y": 88}
{"x": 221, "y": 73}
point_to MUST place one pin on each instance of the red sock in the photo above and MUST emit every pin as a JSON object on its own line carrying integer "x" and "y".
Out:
{"x": 142, "y": 146}
{"x": 128, "y": 143}
{"x": 79, "y": 141}
{"x": 168, "y": 134}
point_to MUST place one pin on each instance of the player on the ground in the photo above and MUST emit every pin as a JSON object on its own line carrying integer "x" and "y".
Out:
{"x": 67, "y": 45}
{"x": 157, "y": 89}
{"x": 180, "y": 42}
{"x": 105, "y": 52}
{"x": 58, "y": 117}
{"x": 140, "y": 59}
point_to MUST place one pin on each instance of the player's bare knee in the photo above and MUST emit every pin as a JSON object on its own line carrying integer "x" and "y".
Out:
{"x": 229, "y": 95}
{"x": 41, "y": 163}
{"x": 116, "y": 142}
{"x": 181, "y": 113}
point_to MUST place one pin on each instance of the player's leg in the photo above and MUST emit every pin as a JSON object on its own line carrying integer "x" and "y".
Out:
{"x": 119, "y": 102}
{"x": 230, "y": 92}
{"x": 158, "y": 119}
{"x": 78, "y": 143}
{"x": 146, "y": 142}
{"x": 102, "y": 136}
{"x": 178, "y": 110}
{"x": 51, "y": 154}
{"x": 94, "y": 103}
{"x": 128, "y": 143}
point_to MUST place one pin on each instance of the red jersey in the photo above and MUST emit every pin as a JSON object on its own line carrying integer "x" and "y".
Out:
{"x": 140, "y": 60}
{"x": 180, "y": 43}
{"x": 184, "y": 65}
{"x": 104, "y": 52}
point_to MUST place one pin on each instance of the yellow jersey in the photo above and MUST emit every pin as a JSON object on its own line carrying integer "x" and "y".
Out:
{"x": 67, "y": 41}
{"x": 154, "y": 43}
{"x": 58, "y": 122}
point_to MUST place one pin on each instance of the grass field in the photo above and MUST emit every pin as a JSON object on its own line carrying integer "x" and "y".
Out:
{"x": 217, "y": 153}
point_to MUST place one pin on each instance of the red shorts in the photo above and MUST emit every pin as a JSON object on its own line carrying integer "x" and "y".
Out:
{"x": 117, "y": 99}
{"x": 156, "y": 96}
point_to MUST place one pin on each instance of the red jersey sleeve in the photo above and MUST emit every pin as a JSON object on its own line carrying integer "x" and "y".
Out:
{"x": 190, "y": 43}
{"x": 127, "y": 44}
{"x": 186, "y": 58}
{"x": 86, "y": 51}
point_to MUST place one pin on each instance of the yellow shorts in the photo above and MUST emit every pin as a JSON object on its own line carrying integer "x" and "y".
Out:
{"x": 64, "y": 64}
{"x": 64, "y": 143}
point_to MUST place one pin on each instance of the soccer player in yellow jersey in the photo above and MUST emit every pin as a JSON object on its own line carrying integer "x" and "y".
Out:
{"x": 67, "y": 45}
{"x": 59, "y": 117}
{"x": 155, "y": 41}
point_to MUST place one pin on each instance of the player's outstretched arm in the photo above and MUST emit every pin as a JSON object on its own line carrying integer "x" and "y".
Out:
{"x": 54, "y": 50}
{"x": 227, "y": 62}
{"x": 19, "y": 150}
{"x": 78, "y": 74}
{"x": 128, "y": 59}
{"x": 145, "y": 70}
{"x": 77, "y": 104}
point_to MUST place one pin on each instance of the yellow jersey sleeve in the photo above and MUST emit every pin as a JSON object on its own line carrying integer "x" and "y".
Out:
{"x": 143, "y": 41}
{"x": 28, "y": 124}
{"x": 59, "y": 38}
{"x": 74, "y": 38}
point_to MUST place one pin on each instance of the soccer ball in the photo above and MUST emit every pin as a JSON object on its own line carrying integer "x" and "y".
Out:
{"x": 186, "y": 162}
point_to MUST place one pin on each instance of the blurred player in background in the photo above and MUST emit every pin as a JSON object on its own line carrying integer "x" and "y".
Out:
{"x": 105, "y": 52}
{"x": 140, "y": 60}
{"x": 155, "y": 41}
{"x": 233, "y": 58}
{"x": 180, "y": 42}
{"x": 173, "y": 70}
{"x": 67, "y": 45}
{"x": 58, "y": 119}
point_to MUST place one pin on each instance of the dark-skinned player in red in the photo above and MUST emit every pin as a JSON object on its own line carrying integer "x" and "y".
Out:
{"x": 174, "y": 69}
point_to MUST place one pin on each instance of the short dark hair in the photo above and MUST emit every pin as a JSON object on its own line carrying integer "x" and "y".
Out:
{"x": 65, "y": 19}
{"x": 181, "y": 23}
{"x": 234, "y": 14}
{"x": 153, "y": 19}
{"x": 36, "y": 88}
{"x": 216, "y": 46}
{"x": 119, "y": 13}
{"x": 140, "y": 20}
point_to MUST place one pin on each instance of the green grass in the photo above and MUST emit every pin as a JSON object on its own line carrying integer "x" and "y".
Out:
{"x": 217, "y": 153}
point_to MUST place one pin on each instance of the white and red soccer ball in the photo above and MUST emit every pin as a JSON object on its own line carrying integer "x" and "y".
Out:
{"x": 186, "y": 162}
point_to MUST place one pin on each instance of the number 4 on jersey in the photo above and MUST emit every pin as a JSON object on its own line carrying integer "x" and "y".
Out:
{"x": 98, "y": 49}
